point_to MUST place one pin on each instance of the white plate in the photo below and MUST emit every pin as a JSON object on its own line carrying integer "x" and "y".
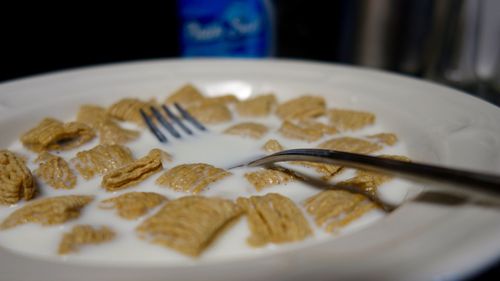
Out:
{"x": 420, "y": 240}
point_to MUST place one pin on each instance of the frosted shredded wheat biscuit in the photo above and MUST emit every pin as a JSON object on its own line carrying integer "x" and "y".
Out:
{"x": 55, "y": 171}
{"x": 185, "y": 96}
{"x": 304, "y": 107}
{"x": 345, "y": 119}
{"x": 210, "y": 112}
{"x": 268, "y": 177}
{"x": 307, "y": 130}
{"x": 52, "y": 134}
{"x": 48, "y": 211}
{"x": 385, "y": 138}
{"x": 368, "y": 182}
{"x": 192, "y": 178}
{"x": 333, "y": 209}
{"x": 134, "y": 172}
{"x": 258, "y": 106}
{"x": 188, "y": 224}
{"x": 132, "y": 205}
{"x": 247, "y": 129}
{"x": 128, "y": 109}
{"x": 84, "y": 235}
{"x": 16, "y": 180}
{"x": 273, "y": 218}
{"x": 272, "y": 145}
{"x": 101, "y": 159}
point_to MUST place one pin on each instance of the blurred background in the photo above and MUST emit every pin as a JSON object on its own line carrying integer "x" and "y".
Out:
{"x": 455, "y": 42}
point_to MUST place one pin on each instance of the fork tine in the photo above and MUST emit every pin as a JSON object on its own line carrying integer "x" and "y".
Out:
{"x": 152, "y": 127}
{"x": 165, "y": 123}
{"x": 190, "y": 118}
{"x": 176, "y": 119}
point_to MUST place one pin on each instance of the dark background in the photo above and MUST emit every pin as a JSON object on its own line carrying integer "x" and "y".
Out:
{"x": 41, "y": 37}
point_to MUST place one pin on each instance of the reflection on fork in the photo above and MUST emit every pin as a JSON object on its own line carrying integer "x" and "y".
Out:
{"x": 169, "y": 121}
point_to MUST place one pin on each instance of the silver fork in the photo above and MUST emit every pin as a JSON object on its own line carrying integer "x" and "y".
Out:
{"x": 470, "y": 180}
{"x": 170, "y": 121}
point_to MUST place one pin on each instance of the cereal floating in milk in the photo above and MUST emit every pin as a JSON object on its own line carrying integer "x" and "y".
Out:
{"x": 333, "y": 209}
{"x": 128, "y": 109}
{"x": 258, "y": 106}
{"x": 268, "y": 177}
{"x": 208, "y": 112}
{"x": 101, "y": 159}
{"x": 81, "y": 235}
{"x": 48, "y": 211}
{"x": 202, "y": 219}
{"x": 272, "y": 145}
{"x": 55, "y": 171}
{"x": 306, "y": 130}
{"x": 247, "y": 129}
{"x": 345, "y": 119}
{"x": 132, "y": 205}
{"x": 273, "y": 218}
{"x": 134, "y": 172}
{"x": 185, "y": 96}
{"x": 16, "y": 180}
{"x": 52, "y": 134}
{"x": 350, "y": 144}
{"x": 304, "y": 107}
{"x": 192, "y": 178}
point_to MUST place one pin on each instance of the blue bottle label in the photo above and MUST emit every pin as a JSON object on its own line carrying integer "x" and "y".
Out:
{"x": 225, "y": 28}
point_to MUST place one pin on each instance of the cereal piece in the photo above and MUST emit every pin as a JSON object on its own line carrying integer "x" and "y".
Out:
{"x": 133, "y": 204}
{"x": 133, "y": 172}
{"x": 210, "y": 113}
{"x": 345, "y": 119}
{"x": 258, "y": 106}
{"x": 128, "y": 109}
{"x": 247, "y": 129}
{"x": 51, "y": 134}
{"x": 55, "y": 171}
{"x": 16, "y": 180}
{"x": 385, "y": 138}
{"x": 84, "y": 235}
{"x": 333, "y": 209}
{"x": 327, "y": 170}
{"x": 268, "y": 177}
{"x": 112, "y": 133}
{"x": 350, "y": 144}
{"x": 303, "y": 107}
{"x": 48, "y": 211}
{"x": 189, "y": 224}
{"x": 368, "y": 182}
{"x": 101, "y": 159}
{"x": 273, "y": 218}
{"x": 305, "y": 130}
{"x": 229, "y": 98}
{"x": 272, "y": 145}
{"x": 192, "y": 178}
{"x": 185, "y": 96}
{"x": 92, "y": 115}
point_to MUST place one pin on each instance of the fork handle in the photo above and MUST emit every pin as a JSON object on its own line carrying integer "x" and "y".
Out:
{"x": 465, "y": 179}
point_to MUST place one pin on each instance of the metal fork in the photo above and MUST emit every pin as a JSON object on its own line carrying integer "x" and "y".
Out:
{"x": 170, "y": 121}
{"x": 470, "y": 180}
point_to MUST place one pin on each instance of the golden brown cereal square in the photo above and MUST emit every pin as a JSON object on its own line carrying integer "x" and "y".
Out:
{"x": 16, "y": 180}
{"x": 247, "y": 129}
{"x": 258, "y": 106}
{"x": 55, "y": 171}
{"x": 112, "y": 133}
{"x": 210, "y": 113}
{"x": 345, "y": 119}
{"x": 350, "y": 144}
{"x": 92, "y": 115}
{"x": 202, "y": 220}
{"x": 128, "y": 109}
{"x": 304, "y": 107}
{"x": 385, "y": 138}
{"x": 81, "y": 235}
{"x": 334, "y": 209}
{"x": 185, "y": 96}
{"x": 273, "y": 218}
{"x": 101, "y": 159}
{"x": 134, "y": 172}
{"x": 268, "y": 177}
{"x": 52, "y": 134}
{"x": 307, "y": 130}
{"x": 132, "y": 205}
{"x": 48, "y": 211}
{"x": 192, "y": 178}
{"x": 272, "y": 145}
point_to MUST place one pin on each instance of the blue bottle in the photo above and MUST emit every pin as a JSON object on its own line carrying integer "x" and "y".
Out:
{"x": 231, "y": 28}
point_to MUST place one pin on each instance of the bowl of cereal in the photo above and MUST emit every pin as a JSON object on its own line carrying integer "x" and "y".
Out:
{"x": 86, "y": 191}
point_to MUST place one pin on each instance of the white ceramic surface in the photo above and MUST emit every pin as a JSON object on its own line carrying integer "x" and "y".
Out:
{"x": 420, "y": 240}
